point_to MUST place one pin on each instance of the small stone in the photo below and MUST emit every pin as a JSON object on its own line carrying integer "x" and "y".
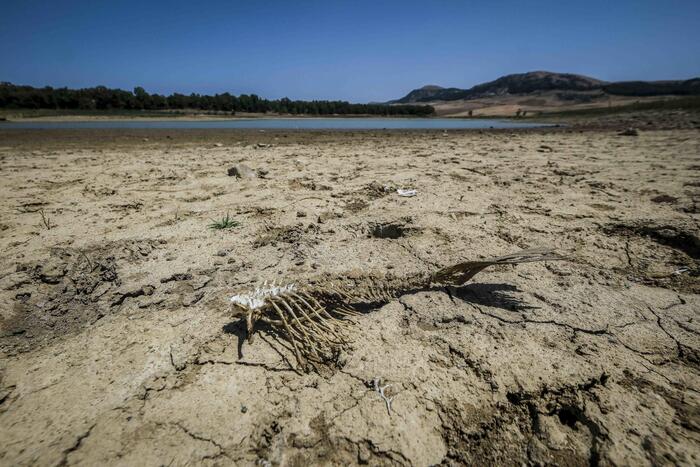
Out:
{"x": 200, "y": 282}
{"x": 629, "y": 132}
{"x": 242, "y": 171}
{"x": 218, "y": 145}
{"x": 191, "y": 299}
{"x": 244, "y": 409}
{"x": 301, "y": 214}
{"x": 327, "y": 215}
{"x": 178, "y": 358}
{"x": 221, "y": 253}
{"x": 664, "y": 199}
{"x": 363, "y": 453}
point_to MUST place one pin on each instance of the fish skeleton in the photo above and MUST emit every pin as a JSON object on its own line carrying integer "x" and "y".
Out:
{"x": 313, "y": 316}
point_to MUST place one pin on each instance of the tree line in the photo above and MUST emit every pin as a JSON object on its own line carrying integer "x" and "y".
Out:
{"x": 654, "y": 88}
{"x": 103, "y": 98}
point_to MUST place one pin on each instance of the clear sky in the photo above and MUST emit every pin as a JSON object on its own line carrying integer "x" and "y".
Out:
{"x": 352, "y": 50}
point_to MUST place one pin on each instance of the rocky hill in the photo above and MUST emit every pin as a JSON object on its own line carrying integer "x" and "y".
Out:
{"x": 541, "y": 81}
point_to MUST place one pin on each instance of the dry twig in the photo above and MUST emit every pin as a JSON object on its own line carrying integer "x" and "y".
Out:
{"x": 380, "y": 390}
{"x": 45, "y": 220}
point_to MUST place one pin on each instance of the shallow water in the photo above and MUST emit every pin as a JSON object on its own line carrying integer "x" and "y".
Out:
{"x": 283, "y": 124}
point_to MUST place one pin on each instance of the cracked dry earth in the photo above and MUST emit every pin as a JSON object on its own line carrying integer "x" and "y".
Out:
{"x": 119, "y": 347}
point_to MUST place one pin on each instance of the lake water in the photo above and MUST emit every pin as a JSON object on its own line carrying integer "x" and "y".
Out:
{"x": 282, "y": 124}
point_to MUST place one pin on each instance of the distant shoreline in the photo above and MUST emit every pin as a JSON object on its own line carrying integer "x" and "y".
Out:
{"x": 216, "y": 118}
{"x": 185, "y": 117}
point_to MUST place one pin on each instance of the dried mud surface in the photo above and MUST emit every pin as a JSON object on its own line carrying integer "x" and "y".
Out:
{"x": 119, "y": 347}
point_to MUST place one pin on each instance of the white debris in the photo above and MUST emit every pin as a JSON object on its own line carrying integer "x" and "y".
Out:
{"x": 256, "y": 299}
{"x": 380, "y": 390}
{"x": 406, "y": 193}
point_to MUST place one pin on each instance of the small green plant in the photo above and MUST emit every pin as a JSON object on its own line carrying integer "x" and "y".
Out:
{"x": 223, "y": 223}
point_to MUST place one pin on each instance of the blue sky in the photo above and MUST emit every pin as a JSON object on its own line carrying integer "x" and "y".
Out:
{"x": 352, "y": 50}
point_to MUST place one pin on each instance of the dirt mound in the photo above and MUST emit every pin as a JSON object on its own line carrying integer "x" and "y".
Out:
{"x": 391, "y": 230}
{"x": 69, "y": 290}
{"x": 549, "y": 427}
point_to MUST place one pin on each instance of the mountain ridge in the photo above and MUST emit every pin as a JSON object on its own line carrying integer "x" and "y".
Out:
{"x": 538, "y": 81}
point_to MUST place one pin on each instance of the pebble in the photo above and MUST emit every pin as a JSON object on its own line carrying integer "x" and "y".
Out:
{"x": 241, "y": 171}
{"x": 629, "y": 132}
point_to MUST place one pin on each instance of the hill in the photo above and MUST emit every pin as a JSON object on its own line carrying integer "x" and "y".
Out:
{"x": 544, "y": 81}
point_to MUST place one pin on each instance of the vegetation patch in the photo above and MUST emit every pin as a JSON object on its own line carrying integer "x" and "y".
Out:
{"x": 225, "y": 222}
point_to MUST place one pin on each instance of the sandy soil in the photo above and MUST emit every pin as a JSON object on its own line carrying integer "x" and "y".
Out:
{"x": 119, "y": 348}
